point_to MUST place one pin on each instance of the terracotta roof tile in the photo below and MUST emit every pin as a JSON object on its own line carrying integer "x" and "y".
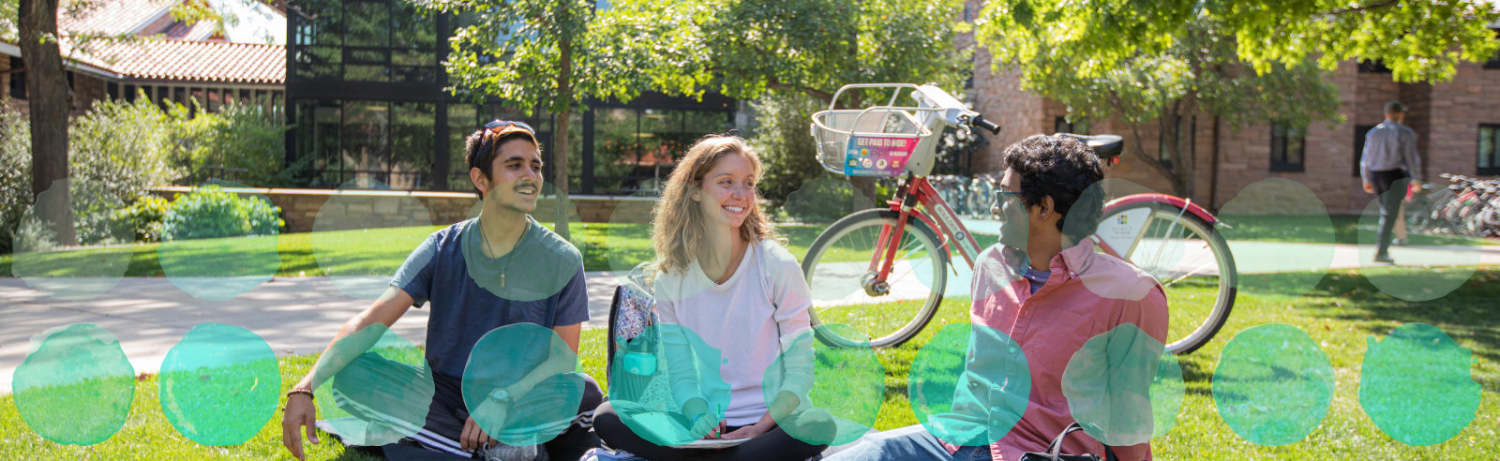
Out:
{"x": 185, "y": 60}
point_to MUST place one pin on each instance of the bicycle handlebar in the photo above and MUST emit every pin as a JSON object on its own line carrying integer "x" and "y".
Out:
{"x": 979, "y": 122}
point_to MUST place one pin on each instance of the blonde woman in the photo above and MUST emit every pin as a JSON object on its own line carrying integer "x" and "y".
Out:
{"x": 721, "y": 273}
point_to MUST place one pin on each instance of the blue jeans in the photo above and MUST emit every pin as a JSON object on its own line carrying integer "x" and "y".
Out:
{"x": 911, "y": 442}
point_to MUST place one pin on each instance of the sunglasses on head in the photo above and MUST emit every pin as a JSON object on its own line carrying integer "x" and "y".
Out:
{"x": 500, "y": 125}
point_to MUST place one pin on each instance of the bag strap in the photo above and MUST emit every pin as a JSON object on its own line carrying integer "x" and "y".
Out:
{"x": 1054, "y": 451}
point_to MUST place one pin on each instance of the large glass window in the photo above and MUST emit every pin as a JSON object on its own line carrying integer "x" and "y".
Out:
{"x": 366, "y": 40}
{"x": 413, "y": 140}
{"x": 464, "y": 120}
{"x": 636, "y": 149}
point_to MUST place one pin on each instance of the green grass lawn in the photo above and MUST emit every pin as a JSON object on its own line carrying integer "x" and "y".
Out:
{"x": 1339, "y": 314}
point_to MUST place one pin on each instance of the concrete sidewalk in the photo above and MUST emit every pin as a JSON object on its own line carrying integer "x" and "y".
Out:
{"x": 300, "y": 315}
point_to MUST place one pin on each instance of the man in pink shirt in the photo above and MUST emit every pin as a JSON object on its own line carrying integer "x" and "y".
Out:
{"x": 1045, "y": 287}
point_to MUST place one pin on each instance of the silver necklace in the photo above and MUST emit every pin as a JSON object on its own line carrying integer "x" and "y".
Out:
{"x": 489, "y": 251}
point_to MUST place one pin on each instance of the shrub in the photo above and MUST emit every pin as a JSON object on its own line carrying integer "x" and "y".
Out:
{"x": 786, "y": 149}
{"x": 143, "y": 219}
{"x": 244, "y": 140}
{"x": 212, "y": 212}
{"x": 15, "y": 176}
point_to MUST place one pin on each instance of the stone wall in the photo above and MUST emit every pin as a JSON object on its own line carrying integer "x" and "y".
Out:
{"x": 373, "y": 209}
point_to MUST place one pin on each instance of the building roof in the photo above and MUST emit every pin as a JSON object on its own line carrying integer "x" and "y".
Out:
{"x": 186, "y": 60}
{"x": 111, "y": 17}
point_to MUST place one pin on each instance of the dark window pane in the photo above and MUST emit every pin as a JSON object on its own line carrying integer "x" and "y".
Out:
{"x": 1489, "y": 143}
{"x": 366, "y": 142}
{"x": 113, "y": 90}
{"x": 18, "y": 79}
{"x": 617, "y": 151}
{"x": 369, "y": 24}
{"x": 367, "y": 73}
{"x": 426, "y": 74}
{"x": 368, "y": 56}
{"x": 412, "y": 140}
{"x": 422, "y": 57}
{"x": 412, "y": 29}
{"x": 129, "y": 93}
{"x": 463, "y": 120}
{"x": 319, "y": 23}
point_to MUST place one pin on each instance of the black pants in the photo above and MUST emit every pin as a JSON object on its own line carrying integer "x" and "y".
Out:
{"x": 447, "y": 416}
{"x": 1390, "y": 205}
{"x": 775, "y": 445}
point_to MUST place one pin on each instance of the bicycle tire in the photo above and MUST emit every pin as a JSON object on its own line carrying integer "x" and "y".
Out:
{"x": 869, "y": 218}
{"x": 1228, "y": 289}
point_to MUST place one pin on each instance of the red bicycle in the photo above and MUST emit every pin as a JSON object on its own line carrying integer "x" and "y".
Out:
{"x": 883, "y": 272}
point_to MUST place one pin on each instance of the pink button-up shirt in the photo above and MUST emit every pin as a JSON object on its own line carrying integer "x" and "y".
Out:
{"x": 1087, "y": 294}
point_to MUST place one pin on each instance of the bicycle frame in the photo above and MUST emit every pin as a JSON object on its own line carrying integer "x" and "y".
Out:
{"x": 914, "y": 191}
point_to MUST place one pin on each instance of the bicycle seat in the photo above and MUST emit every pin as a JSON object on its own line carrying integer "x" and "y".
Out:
{"x": 1105, "y": 146}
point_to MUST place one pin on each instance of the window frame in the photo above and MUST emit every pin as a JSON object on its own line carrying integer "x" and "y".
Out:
{"x": 1494, "y": 168}
{"x": 1283, "y": 164}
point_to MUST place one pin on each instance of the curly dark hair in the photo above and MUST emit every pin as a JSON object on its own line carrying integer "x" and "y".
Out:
{"x": 1065, "y": 169}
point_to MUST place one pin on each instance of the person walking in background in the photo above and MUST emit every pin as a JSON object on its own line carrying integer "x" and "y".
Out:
{"x": 1390, "y": 156}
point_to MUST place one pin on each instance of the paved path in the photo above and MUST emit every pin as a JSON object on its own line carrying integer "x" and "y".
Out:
{"x": 300, "y": 315}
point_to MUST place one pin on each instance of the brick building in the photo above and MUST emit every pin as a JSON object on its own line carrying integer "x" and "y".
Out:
{"x": 1458, "y": 124}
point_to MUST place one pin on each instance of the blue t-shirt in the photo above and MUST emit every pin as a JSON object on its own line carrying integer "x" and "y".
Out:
{"x": 543, "y": 284}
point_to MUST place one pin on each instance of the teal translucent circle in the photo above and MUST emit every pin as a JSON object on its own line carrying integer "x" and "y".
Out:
{"x": 540, "y": 265}
{"x": 650, "y": 402}
{"x": 76, "y": 385}
{"x": 839, "y": 390}
{"x": 219, "y": 385}
{"x": 1109, "y": 382}
{"x": 1167, "y": 391}
{"x": 1417, "y": 386}
{"x": 85, "y": 268}
{"x": 1434, "y": 262}
{"x": 1281, "y": 236}
{"x": 1273, "y": 384}
{"x": 217, "y": 249}
{"x": 362, "y": 234}
{"x": 373, "y": 387}
{"x": 520, "y": 385}
{"x": 969, "y": 385}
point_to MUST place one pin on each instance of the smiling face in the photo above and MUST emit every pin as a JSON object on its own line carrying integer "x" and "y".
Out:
{"x": 515, "y": 178}
{"x": 727, "y": 191}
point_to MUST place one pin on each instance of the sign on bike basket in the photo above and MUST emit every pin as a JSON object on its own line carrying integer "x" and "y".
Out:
{"x": 880, "y": 157}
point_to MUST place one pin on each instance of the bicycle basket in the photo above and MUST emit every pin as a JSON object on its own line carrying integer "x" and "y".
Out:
{"x": 877, "y": 142}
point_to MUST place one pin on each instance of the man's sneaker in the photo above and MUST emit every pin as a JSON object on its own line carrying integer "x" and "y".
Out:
{"x": 1384, "y": 259}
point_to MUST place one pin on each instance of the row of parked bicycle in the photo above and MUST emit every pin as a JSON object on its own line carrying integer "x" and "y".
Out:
{"x": 971, "y": 196}
{"x": 1463, "y": 206}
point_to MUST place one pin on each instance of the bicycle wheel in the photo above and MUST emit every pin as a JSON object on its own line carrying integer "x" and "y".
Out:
{"x": 1191, "y": 261}
{"x": 837, "y": 267}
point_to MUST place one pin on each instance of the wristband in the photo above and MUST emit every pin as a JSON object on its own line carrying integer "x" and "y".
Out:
{"x": 300, "y": 391}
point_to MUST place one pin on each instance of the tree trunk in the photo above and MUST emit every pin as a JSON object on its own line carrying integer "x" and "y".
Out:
{"x": 560, "y": 134}
{"x": 47, "y": 99}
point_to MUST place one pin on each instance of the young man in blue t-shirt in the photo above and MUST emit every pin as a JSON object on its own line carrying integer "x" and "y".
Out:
{"x": 499, "y": 269}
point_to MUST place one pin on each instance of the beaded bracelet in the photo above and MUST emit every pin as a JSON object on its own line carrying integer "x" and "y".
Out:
{"x": 300, "y": 391}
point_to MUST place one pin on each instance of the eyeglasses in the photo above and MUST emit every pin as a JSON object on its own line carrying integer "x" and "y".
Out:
{"x": 1001, "y": 197}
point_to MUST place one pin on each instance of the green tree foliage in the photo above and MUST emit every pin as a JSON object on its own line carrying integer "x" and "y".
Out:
{"x": 543, "y": 55}
{"x": 1143, "y": 60}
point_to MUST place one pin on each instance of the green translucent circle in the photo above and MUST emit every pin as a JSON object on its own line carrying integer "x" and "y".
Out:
{"x": 536, "y": 269}
{"x": 1281, "y": 237}
{"x": 1167, "y": 391}
{"x": 86, "y": 268}
{"x": 969, "y": 385}
{"x": 373, "y": 387}
{"x": 362, "y": 234}
{"x": 1273, "y": 384}
{"x": 1108, "y": 383}
{"x": 216, "y": 250}
{"x": 649, "y": 401}
{"x": 839, "y": 390}
{"x": 219, "y": 384}
{"x": 1447, "y": 260}
{"x": 519, "y": 384}
{"x": 76, "y": 385}
{"x": 1417, "y": 387}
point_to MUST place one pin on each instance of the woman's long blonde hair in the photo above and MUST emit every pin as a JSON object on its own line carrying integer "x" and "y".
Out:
{"x": 678, "y": 227}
